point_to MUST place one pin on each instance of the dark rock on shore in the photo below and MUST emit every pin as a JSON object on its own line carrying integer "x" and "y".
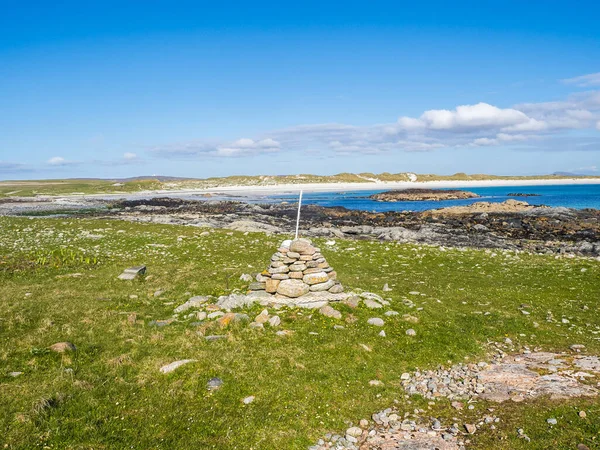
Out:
{"x": 411, "y": 195}
{"x": 519, "y": 194}
{"x": 515, "y": 226}
{"x": 530, "y": 228}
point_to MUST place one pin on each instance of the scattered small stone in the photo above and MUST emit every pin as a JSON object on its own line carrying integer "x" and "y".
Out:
{"x": 382, "y": 333}
{"x": 582, "y": 447}
{"x": 376, "y": 321}
{"x": 386, "y": 288}
{"x": 458, "y": 405}
{"x": 470, "y": 428}
{"x": 248, "y": 400}
{"x": 375, "y": 383}
{"x": 552, "y": 421}
{"x": 214, "y": 384}
{"x": 160, "y": 323}
{"x": 284, "y": 333}
{"x": 246, "y": 277}
{"x": 275, "y": 321}
{"x": 391, "y": 313}
{"x": 215, "y": 337}
{"x": 214, "y": 315}
{"x": 62, "y": 347}
{"x": 410, "y": 319}
{"x": 328, "y": 311}
{"x": 354, "y": 432}
{"x": 15, "y": 374}
{"x": 193, "y": 302}
{"x": 411, "y": 332}
{"x": 582, "y": 414}
{"x": 372, "y": 304}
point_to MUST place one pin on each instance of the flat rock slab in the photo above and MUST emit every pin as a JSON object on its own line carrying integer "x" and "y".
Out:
{"x": 310, "y": 300}
{"x": 516, "y": 378}
{"x": 401, "y": 440}
{"x": 132, "y": 273}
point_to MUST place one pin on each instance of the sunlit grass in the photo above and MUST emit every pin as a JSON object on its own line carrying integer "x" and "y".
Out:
{"x": 110, "y": 393}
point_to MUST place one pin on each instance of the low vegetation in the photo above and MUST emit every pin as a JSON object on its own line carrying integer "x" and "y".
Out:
{"x": 33, "y": 188}
{"x": 58, "y": 282}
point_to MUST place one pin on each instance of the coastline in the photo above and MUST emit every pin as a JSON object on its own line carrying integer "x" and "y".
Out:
{"x": 332, "y": 187}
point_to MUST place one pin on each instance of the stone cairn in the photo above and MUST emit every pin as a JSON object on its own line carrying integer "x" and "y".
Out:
{"x": 297, "y": 269}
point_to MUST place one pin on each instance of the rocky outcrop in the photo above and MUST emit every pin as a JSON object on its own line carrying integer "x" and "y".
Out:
{"x": 509, "y": 225}
{"x": 413, "y": 195}
{"x": 487, "y": 207}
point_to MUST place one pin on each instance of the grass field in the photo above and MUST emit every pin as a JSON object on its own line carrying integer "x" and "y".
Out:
{"x": 58, "y": 282}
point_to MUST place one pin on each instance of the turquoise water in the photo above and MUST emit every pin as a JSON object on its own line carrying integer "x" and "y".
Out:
{"x": 570, "y": 196}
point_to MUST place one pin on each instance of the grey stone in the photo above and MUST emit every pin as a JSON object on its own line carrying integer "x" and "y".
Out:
{"x": 214, "y": 384}
{"x": 193, "y": 302}
{"x": 328, "y": 311}
{"x": 336, "y": 289}
{"x": 322, "y": 286}
{"x": 376, "y": 321}
{"x": 371, "y": 304}
{"x": 246, "y": 277}
{"x": 256, "y": 286}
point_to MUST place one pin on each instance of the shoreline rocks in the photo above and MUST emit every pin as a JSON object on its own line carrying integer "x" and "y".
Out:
{"x": 421, "y": 195}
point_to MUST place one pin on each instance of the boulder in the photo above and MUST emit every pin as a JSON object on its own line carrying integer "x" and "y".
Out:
{"x": 271, "y": 285}
{"x": 315, "y": 278}
{"x": 303, "y": 247}
{"x": 322, "y": 286}
{"x": 293, "y": 288}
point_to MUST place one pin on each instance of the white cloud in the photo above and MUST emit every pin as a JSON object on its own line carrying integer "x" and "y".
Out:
{"x": 469, "y": 117}
{"x": 239, "y": 148}
{"x": 245, "y": 146}
{"x": 527, "y": 126}
{"x": 503, "y": 138}
{"x": 591, "y": 79}
{"x": 58, "y": 161}
{"x": 129, "y": 156}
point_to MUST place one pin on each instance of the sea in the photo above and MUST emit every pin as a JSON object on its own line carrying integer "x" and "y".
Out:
{"x": 578, "y": 196}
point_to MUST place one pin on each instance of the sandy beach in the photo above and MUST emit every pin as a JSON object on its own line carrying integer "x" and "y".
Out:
{"x": 244, "y": 191}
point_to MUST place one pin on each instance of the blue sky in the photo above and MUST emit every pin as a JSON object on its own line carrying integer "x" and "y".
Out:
{"x": 196, "y": 89}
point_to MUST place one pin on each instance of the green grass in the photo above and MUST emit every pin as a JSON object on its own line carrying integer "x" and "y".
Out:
{"x": 58, "y": 283}
{"x": 31, "y": 188}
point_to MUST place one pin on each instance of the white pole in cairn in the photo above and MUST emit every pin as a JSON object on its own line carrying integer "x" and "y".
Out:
{"x": 298, "y": 217}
